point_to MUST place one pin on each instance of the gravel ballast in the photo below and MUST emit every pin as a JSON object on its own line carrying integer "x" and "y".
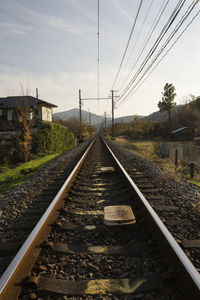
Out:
{"x": 14, "y": 201}
{"x": 183, "y": 221}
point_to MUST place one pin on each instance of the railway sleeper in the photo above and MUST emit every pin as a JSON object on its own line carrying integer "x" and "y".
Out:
{"x": 134, "y": 286}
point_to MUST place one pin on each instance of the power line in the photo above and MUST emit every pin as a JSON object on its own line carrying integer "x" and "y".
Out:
{"x": 98, "y": 52}
{"x": 155, "y": 45}
{"x": 149, "y": 34}
{"x": 157, "y": 42}
{"x": 134, "y": 45}
{"x": 167, "y": 51}
{"x": 133, "y": 27}
{"x": 109, "y": 96}
{"x": 177, "y": 27}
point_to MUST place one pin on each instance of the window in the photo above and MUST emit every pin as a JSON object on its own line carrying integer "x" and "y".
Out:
{"x": 37, "y": 112}
{"x": 3, "y": 114}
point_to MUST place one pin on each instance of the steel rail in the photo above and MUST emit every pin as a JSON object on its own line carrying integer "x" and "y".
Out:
{"x": 187, "y": 273}
{"x": 22, "y": 263}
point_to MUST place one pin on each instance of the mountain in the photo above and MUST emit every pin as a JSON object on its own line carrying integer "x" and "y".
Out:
{"x": 162, "y": 116}
{"x": 157, "y": 116}
{"x": 95, "y": 120}
{"x": 128, "y": 119}
{"x": 74, "y": 113}
{"x": 98, "y": 121}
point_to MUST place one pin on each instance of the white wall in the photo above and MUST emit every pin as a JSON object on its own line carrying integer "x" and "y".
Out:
{"x": 46, "y": 114}
{"x": 31, "y": 116}
{"x": 10, "y": 114}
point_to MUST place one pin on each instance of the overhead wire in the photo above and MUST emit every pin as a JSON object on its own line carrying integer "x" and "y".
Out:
{"x": 155, "y": 45}
{"x": 98, "y": 83}
{"x": 177, "y": 27}
{"x": 127, "y": 45}
{"x": 157, "y": 42}
{"x": 132, "y": 29}
{"x": 138, "y": 35}
{"x": 167, "y": 51}
{"x": 109, "y": 96}
{"x": 147, "y": 39}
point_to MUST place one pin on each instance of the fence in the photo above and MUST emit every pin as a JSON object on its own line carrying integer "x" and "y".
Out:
{"x": 180, "y": 152}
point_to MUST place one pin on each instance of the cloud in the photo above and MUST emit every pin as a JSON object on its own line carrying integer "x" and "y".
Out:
{"x": 56, "y": 23}
{"x": 61, "y": 88}
{"x": 60, "y": 24}
{"x": 12, "y": 29}
{"x": 122, "y": 11}
{"x": 83, "y": 9}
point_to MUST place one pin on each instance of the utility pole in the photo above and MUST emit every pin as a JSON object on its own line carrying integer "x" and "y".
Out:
{"x": 89, "y": 121}
{"x": 112, "y": 97}
{"x": 37, "y": 93}
{"x": 105, "y": 122}
{"x": 89, "y": 118}
{"x": 80, "y": 104}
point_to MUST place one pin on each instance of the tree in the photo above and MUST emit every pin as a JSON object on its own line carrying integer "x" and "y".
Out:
{"x": 24, "y": 125}
{"x": 167, "y": 103}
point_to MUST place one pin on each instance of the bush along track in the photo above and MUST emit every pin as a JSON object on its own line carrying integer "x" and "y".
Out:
{"x": 48, "y": 142}
{"x": 52, "y": 138}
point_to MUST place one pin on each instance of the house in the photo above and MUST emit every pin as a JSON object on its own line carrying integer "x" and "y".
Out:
{"x": 40, "y": 110}
{"x": 182, "y": 134}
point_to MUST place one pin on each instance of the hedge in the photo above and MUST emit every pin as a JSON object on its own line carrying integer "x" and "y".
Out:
{"x": 8, "y": 153}
{"x": 52, "y": 138}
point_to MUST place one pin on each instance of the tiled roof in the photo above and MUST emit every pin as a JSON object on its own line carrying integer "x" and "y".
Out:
{"x": 15, "y": 101}
{"x": 179, "y": 129}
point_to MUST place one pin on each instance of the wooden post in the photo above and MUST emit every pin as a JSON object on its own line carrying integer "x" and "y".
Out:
{"x": 176, "y": 158}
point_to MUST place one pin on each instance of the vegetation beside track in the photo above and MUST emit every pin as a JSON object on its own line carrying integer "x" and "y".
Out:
{"x": 52, "y": 138}
{"x": 49, "y": 138}
{"x": 149, "y": 149}
{"x": 16, "y": 176}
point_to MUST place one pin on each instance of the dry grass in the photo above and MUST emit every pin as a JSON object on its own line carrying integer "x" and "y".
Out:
{"x": 150, "y": 151}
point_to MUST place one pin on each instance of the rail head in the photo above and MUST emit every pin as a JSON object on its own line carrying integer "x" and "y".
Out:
{"x": 8, "y": 288}
{"x": 186, "y": 265}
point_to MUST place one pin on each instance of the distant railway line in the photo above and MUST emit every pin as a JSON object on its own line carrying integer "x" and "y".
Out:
{"x": 97, "y": 235}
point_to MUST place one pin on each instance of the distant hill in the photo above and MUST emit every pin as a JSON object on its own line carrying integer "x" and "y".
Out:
{"x": 96, "y": 120}
{"x": 161, "y": 116}
{"x": 157, "y": 116}
{"x": 74, "y": 113}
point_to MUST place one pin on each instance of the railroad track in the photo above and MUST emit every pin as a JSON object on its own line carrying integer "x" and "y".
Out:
{"x": 98, "y": 237}
{"x": 176, "y": 204}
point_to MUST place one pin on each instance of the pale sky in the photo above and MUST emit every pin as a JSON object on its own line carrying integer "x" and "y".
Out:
{"x": 52, "y": 45}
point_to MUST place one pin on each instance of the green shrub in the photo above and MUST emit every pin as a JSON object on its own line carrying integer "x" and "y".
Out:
{"x": 8, "y": 153}
{"x": 52, "y": 138}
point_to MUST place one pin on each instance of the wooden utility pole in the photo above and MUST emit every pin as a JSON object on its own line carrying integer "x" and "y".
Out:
{"x": 89, "y": 118}
{"x": 105, "y": 122}
{"x": 80, "y": 104}
{"x": 112, "y": 97}
{"x": 37, "y": 93}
